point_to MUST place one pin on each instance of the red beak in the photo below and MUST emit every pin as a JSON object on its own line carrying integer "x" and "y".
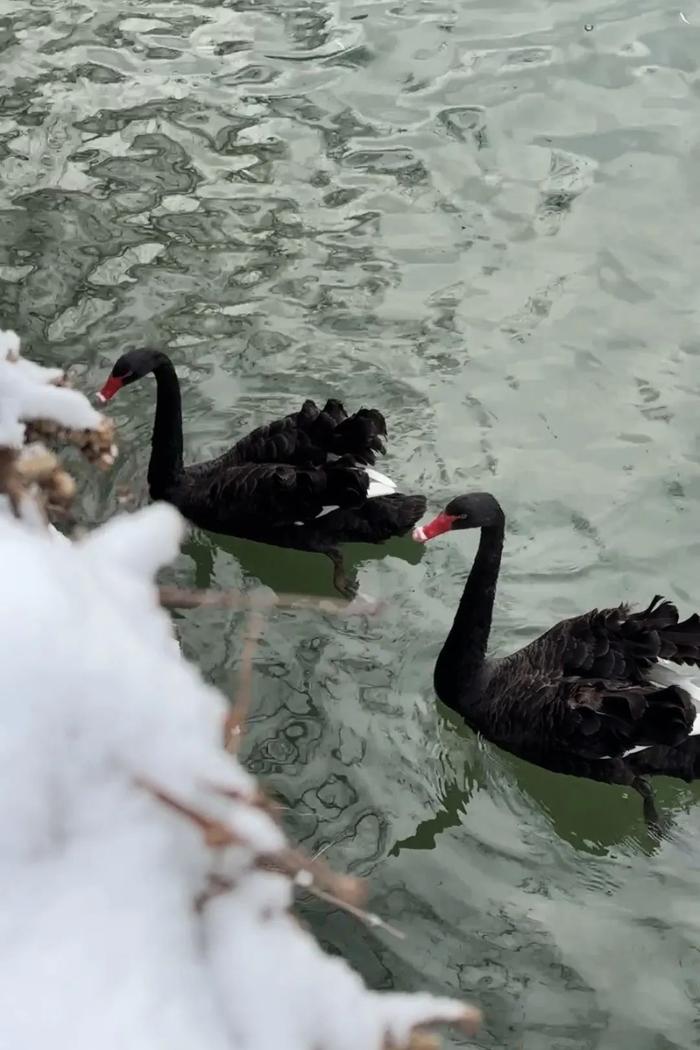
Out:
{"x": 442, "y": 523}
{"x": 110, "y": 388}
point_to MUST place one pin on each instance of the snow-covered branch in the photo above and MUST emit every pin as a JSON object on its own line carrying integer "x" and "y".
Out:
{"x": 36, "y": 405}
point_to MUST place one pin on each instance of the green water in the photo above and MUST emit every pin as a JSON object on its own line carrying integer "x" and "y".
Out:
{"x": 483, "y": 218}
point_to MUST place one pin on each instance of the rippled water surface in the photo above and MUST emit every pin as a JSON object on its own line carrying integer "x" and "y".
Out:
{"x": 484, "y": 218}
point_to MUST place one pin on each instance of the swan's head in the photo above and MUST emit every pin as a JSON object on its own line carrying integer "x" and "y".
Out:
{"x": 476, "y": 510}
{"x": 127, "y": 369}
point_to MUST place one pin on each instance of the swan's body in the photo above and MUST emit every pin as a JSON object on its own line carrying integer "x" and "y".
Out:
{"x": 306, "y": 481}
{"x": 600, "y": 695}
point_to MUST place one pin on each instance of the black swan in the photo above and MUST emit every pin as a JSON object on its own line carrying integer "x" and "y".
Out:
{"x": 595, "y": 696}
{"x": 306, "y": 481}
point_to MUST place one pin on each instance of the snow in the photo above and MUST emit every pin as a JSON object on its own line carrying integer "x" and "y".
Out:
{"x": 27, "y": 392}
{"x": 120, "y": 811}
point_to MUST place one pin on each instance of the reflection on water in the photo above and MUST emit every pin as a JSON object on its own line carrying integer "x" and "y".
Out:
{"x": 286, "y": 570}
{"x": 483, "y": 219}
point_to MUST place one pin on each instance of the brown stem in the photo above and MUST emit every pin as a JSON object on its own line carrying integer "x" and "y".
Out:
{"x": 216, "y": 834}
{"x": 172, "y": 597}
{"x": 309, "y": 873}
{"x": 236, "y": 718}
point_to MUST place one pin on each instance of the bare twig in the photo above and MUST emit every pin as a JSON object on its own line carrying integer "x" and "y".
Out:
{"x": 469, "y": 1023}
{"x": 255, "y": 604}
{"x": 259, "y": 800}
{"x": 342, "y": 891}
{"x": 324, "y": 849}
{"x": 235, "y": 720}
{"x": 308, "y": 873}
{"x": 216, "y": 834}
{"x": 183, "y": 598}
{"x": 216, "y": 887}
{"x": 368, "y": 917}
{"x": 311, "y": 874}
{"x": 420, "y": 1039}
{"x": 417, "y": 1040}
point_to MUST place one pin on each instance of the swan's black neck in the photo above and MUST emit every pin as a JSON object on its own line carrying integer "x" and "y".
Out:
{"x": 166, "y": 466}
{"x": 461, "y": 660}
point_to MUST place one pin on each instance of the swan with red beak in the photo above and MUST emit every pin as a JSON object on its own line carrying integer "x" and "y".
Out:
{"x": 306, "y": 481}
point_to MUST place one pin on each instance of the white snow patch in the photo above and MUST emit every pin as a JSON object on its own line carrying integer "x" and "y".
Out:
{"x": 26, "y": 393}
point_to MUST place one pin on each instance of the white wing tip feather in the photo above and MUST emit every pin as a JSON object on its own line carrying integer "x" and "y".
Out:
{"x": 379, "y": 484}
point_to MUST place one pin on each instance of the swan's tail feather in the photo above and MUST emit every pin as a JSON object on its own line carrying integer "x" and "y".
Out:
{"x": 335, "y": 410}
{"x": 668, "y": 716}
{"x": 346, "y": 485}
{"x": 361, "y": 436}
{"x": 635, "y": 716}
{"x": 682, "y": 761}
{"x": 332, "y": 432}
{"x": 663, "y": 636}
{"x": 368, "y": 520}
{"x": 665, "y": 673}
{"x": 392, "y": 515}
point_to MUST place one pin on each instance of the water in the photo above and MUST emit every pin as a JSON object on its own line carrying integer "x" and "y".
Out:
{"x": 483, "y": 218}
